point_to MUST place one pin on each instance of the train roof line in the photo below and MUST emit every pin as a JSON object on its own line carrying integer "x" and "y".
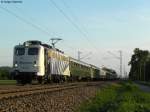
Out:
{"x": 37, "y": 42}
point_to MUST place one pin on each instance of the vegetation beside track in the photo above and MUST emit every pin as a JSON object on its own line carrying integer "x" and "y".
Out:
{"x": 140, "y": 64}
{"x": 7, "y": 82}
{"x": 5, "y": 73}
{"x": 121, "y": 97}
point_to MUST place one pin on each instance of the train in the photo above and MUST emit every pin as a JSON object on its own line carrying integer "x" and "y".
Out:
{"x": 34, "y": 60}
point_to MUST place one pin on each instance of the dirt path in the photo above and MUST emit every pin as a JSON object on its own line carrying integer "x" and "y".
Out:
{"x": 143, "y": 87}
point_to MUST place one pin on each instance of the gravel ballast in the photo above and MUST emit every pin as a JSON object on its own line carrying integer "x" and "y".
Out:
{"x": 58, "y": 101}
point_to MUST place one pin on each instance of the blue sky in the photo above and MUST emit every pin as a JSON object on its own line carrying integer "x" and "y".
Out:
{"x": 105, "y": 25}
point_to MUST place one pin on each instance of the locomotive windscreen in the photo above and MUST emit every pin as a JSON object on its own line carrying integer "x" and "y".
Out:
{"x": 19, "y": 51}
{"x": 33, "y": 51}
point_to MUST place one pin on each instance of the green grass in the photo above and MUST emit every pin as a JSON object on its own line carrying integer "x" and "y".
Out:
{"x": 122, "y": 97}
{"x": 7, "y": 82}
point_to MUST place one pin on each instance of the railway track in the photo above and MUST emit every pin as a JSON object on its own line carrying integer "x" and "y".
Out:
{"x": 13, "y": 93}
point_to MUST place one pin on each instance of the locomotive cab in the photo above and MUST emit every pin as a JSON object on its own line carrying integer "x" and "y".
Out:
{"x": 28, "y": 62}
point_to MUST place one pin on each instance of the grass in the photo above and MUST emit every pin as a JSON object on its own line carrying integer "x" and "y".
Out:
{"x": 122, "y": 97}
{"x": 7, "y": 82}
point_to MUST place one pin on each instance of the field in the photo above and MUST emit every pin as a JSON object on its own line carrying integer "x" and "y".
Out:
{"x": 122, "y": 97}
{"x": 7, "y": 82}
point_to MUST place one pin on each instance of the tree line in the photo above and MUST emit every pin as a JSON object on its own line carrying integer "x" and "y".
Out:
{"x": 5, "y": 73}
{"x": 140, "y": 65}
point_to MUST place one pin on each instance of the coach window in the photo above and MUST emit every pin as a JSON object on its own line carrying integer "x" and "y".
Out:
{"x": 33, "y": 51}
{"x": 20, "y": 51}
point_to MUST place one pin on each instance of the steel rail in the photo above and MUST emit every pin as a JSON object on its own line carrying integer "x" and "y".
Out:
{"x": 38, "y": 90}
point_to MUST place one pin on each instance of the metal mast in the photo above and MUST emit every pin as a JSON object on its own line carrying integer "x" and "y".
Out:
{"x": 79, "y": 53}
{"x": 120, "y": 63}
{"x": 120, "y": 59}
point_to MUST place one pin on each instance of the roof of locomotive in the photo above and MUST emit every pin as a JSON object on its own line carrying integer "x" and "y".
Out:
{"x": 38, "y": 43}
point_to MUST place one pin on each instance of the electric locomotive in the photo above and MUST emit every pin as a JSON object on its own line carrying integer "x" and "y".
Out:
{"x": 35, "y": 60}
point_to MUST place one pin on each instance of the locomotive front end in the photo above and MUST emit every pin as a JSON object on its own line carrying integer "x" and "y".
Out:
{"x": 28, "y": 62}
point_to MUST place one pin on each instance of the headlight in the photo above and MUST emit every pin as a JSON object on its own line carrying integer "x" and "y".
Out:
{"x": 35, "y": 65}
{"x": 16, "y": 65}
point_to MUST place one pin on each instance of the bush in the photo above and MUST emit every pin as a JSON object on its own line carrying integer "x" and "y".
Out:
{"x": 5, "y": 73}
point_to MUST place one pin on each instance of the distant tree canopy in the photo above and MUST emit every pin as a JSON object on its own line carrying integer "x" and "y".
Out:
{"x": 5, "y": 73}
{"x": 140, "y": 65}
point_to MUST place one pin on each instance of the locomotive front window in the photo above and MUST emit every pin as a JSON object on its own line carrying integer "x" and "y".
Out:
{"x": 33, "y": 51}
{"x": 20, "y": 51}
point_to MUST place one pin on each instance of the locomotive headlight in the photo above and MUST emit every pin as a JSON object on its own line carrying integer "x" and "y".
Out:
{"x": 16, "y": 65}
{"x": 35, "y": 65}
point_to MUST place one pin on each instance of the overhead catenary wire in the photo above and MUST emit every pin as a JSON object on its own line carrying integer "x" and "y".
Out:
{"x": 84, "y": 30}
{"x": 81, "y": 25}
{"x": 31, "y": 18}
{"x": 38, "y": 27}
{"x": 75, "y": 18}
{"x": 25, "y": 21}
{"x": 73, "y": 15}
{"x": 69, "y": 19}
{"x": 42, "y": 26}
{"x": 85, "y": 35}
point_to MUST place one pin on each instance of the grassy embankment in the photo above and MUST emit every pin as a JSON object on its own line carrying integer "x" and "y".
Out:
{"x": 122, "y": 97}
{"x": 7, "y": 82}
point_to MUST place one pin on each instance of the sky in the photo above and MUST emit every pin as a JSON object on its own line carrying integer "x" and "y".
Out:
{"x": 94, "y": 27}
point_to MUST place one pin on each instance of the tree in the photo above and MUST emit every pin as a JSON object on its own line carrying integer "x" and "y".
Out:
{"x": 139, "y": 62}
{"x": 5, "y": 73}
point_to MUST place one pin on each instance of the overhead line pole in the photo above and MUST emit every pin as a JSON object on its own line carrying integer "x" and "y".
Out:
{"x": 79, "y": 53}
{"x": 120, "y": 63}
{"x": 120, "y": 59}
